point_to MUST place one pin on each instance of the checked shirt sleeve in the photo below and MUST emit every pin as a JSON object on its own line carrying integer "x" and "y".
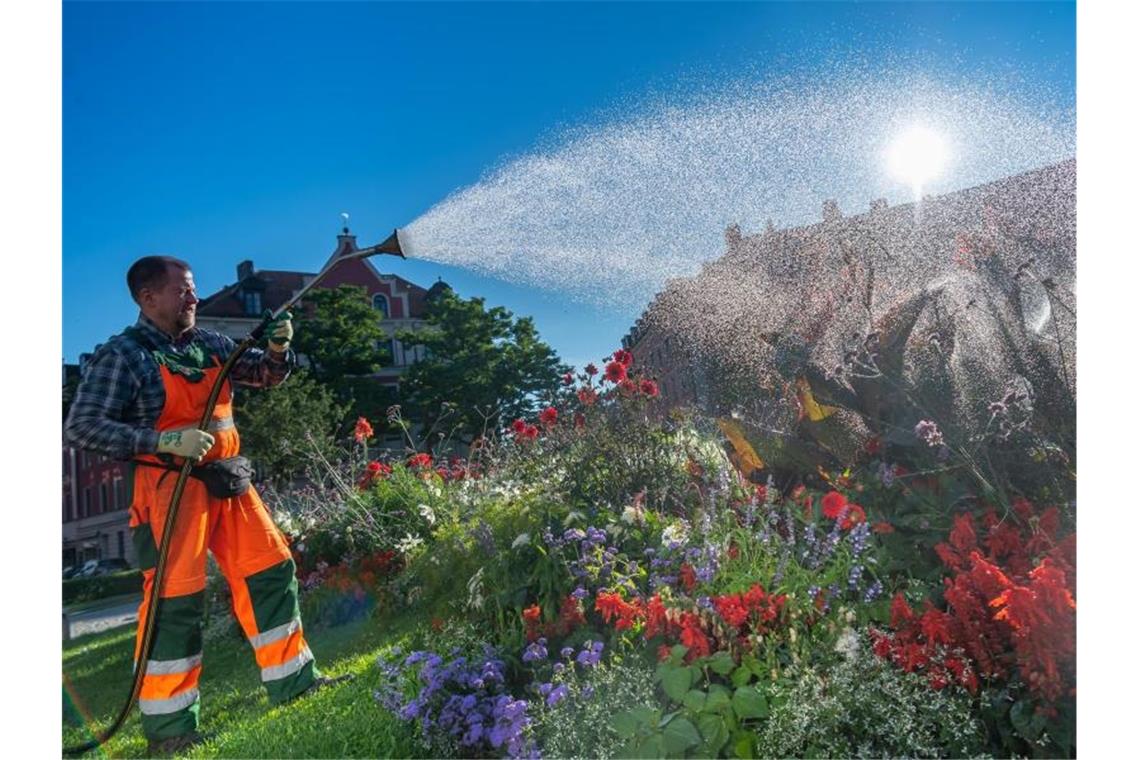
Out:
{"x": 104, "y": 407}
{"x": 258, "y": 368}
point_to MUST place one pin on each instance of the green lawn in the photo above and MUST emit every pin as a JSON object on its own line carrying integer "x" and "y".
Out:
{"x": 344, "y": 721}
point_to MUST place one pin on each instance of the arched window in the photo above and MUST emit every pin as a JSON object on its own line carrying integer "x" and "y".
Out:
{"x": 380, "y": 303}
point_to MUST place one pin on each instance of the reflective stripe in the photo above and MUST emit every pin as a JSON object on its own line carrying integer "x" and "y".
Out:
{"x": 274, "y": 672}
{"x": 275, "y": 634}
{"x": 170, "y": 704}
{"x": 221, "y": 423}
{"x": 166, "y": 667}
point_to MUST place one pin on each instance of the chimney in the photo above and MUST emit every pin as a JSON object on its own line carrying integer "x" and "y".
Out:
{"x": 244, "y": 270}
{"x": 732, "y": 237}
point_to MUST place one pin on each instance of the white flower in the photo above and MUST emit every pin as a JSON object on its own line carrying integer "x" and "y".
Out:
{"x": 521, "y": 540}
{"x": 848, "y": 644}
{"x": 409, "y": 542}
{"x": 676, "y": 533}
{"x": 633, "y": 514}
{"x": 427, "y": 514}
{"x": 475, "y": 591}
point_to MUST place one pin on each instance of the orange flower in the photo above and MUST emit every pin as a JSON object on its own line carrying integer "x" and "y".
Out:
{"x": 363, "y": 430}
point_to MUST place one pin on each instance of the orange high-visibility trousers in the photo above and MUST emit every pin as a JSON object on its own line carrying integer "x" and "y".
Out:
{"x": 249, "y": 549}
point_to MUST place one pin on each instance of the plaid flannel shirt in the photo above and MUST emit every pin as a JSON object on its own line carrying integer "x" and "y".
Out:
{"x": 121, "y": 395}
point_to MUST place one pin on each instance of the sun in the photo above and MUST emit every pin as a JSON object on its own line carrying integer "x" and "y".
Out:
{"x": 917, "y": 155}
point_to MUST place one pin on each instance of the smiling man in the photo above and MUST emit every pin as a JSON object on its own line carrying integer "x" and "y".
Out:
{"x": 141, "y": 399}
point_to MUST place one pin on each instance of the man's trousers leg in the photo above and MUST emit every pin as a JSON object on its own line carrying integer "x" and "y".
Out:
{"x": 257, "y": 564}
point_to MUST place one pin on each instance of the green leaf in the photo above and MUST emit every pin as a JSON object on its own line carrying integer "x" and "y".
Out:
{"x": 741, "y": 676}
{"x": 714, "y": 732}
{"x": 721, "y": 663}
{"x": 627, "y": 723}
{"x": 749, "y": 702}
{"x": 695, "y": 700}
{"x": 1024, "y": 718}
{"x": 718, "y": 699}
{"x": 745, "y": 744}
{"x": 676, "y": 682}
{"x": 679, "y": 735}
{"x": 653, "y": 746}
{"x": 749, "y": 661}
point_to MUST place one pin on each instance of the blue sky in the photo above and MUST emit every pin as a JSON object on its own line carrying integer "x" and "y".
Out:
{"x": 224, "y": 131}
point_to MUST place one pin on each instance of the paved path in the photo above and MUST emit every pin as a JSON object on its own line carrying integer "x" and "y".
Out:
{"x": 93, "y": 621}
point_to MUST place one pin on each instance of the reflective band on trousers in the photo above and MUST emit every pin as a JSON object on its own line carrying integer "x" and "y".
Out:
{"x": 288, "y": 668}
{"x": 275, "y": 634}
{"x": 166, "y": 667}
{"x": 170, "y": 704}
{"x": 222, "y": 423}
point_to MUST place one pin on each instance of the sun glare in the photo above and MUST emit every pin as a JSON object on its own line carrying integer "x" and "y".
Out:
{"x": 916, "y": 156}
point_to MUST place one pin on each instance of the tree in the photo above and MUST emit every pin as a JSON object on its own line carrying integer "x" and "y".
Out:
{"x": 482, "y": 367}
{"x": 341, "y": 335}
{"x": 282, "y": 427}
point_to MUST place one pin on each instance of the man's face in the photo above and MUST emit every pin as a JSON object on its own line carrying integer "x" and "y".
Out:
{"x": 173, "y": 305}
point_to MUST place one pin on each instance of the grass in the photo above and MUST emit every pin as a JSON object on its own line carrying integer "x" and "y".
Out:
{"x": 107, "y": 601}
{"x": 343, "y": 721}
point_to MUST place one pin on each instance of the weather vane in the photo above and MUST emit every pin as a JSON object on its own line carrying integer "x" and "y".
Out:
{"x": 344, "y": 220}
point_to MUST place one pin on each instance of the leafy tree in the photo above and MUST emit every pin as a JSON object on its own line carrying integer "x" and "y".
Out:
{"x": 482, "y": 367}
{"x": 282, "y": 427}
{"x": 341, "y": 335}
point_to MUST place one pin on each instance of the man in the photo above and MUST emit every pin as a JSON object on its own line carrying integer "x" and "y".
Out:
{"x": 141, "y": 399}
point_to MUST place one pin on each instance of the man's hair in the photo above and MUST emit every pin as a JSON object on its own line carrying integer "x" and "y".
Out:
{"x": 150, "y": 272}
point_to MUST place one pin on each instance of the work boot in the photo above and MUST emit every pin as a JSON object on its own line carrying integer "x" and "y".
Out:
{"x": 172, "y": 745}
{"x": 321, "y": 682}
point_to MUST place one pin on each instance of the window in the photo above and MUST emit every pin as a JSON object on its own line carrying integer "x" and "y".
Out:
{"x": 251, "y": 301}
{"x": 119, "y": 493}
{"x": 122, "y": 546}
{"x": 380, "y": 304}
{"x": 104, "y": 500}
{"x": 85, "y": 511}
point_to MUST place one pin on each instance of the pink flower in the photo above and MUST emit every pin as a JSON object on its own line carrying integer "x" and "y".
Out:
{"x": 548, "y": 416}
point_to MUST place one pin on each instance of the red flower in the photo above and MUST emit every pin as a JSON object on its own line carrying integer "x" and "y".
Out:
{"x": 688, "y": 576}
{"x": 623, "y": 356}
{"x": 548, "y": 416}
{"x": 883, "y": 527}
{"x": 663, "y": 652}
{"x": 579, "y": 420}
{"x": 532, "y": 614}
{"x": 874, "y": 445}
{"x": 422, "y": 461}
{"x": 372, "y": 471}
{"x": 568, "y": 378}
{"x": 615, "y": 372}
{"x": 518, "y": 426}
{"x": 587, "y": 395}
{"x": 855, "y": 515}
{"x": 591, "y": 369}
{"x": 900, "y": 611}
{"x": 628, "y": 387}
{"x": 649, "y": 388}
{"x": 731, "y": 608}
{"x": 833, "y": 504}
{"x": 693, "y": 637}
{"x": 363, "y": 430}
{"x": 530, "y": 433}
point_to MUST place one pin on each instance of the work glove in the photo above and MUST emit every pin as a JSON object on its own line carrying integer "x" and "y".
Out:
{"x": 191, "y": 443}
{"x": 280, "y": 332}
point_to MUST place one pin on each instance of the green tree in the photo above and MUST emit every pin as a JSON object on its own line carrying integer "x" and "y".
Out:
{"x": 482, "y": 368}
{"x": 283, "y": 427}
{"x": 341, "y": 335}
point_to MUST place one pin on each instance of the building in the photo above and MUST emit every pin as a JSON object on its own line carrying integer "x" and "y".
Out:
{"x": 804, "y": 282}
{"x": 95, "y": 494}
{"x": 237, "y": 308}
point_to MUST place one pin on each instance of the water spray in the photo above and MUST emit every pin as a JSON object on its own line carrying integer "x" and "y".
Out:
{"x": 390, "y": 246}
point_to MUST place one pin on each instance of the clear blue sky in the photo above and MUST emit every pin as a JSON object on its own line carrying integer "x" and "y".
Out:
{"x": 223, "y": 131}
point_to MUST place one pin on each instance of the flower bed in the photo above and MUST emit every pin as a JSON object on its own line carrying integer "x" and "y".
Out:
{"x": 601, "y": 581}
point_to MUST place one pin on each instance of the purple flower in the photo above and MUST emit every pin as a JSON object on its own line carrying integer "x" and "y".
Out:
{"x": 927, "y": 431}
{"x": 579, "y": 593}
{"x": 557, "y": 695}
{"x": 567, "y": 652}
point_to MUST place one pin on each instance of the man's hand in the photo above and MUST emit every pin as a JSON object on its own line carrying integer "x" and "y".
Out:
{"x": 281, "y": 332}
{"x": 187, "y": 442}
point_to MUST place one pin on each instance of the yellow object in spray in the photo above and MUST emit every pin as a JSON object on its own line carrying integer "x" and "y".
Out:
{"x": 748, "y": 460}
{"x": 813, "y": 410}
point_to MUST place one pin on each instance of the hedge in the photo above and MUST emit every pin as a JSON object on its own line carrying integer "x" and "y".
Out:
{"x": 112, "y": 584}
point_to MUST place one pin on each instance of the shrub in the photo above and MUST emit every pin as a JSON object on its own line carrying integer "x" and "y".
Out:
{"x": 78, "y": 590}
{"x": 861, "y": 707}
